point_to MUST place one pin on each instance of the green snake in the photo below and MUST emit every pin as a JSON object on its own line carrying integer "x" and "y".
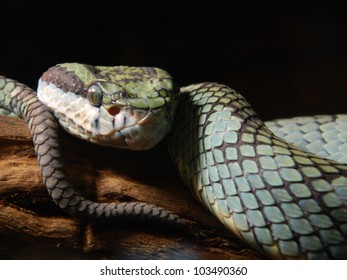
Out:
{"x": 284, "y": 195}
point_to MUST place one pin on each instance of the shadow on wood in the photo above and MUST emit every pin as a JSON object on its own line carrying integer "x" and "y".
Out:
{"x": 33, "y": 227}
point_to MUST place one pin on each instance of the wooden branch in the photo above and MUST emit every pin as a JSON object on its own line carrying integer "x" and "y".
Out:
{"x": 33, "y": 227}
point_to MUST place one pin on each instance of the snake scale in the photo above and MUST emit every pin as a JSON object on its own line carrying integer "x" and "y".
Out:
{"x": 283, "y": 194}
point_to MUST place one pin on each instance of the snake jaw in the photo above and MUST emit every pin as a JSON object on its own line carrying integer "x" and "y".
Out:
{"x": 112, "y": 125}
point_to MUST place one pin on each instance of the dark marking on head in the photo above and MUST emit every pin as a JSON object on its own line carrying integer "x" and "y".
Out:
{"x": 63, "y": 79}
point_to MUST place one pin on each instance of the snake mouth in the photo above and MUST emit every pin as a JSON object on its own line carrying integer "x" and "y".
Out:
{"x": 116, "y": 118}
{"x": 127, "y": 116}
{"x": 129, "y": 128}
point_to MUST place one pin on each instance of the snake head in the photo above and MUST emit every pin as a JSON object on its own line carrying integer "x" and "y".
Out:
{"x": 125, "y": 107}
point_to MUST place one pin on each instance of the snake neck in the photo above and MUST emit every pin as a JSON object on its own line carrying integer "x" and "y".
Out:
{"x": 210, "y": 116}
{"x": 279, "y": 199}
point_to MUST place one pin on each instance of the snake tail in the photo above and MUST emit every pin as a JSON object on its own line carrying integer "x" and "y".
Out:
{"x": 22, "y": 100}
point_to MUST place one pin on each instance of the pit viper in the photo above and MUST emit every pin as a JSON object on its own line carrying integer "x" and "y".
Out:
{"x": 279, "y": 186}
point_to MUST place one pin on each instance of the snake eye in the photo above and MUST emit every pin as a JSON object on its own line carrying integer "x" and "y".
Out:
{"x": 94, "y": 95}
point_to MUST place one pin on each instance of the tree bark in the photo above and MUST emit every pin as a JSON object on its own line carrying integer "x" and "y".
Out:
{"x": 33, "y": 227}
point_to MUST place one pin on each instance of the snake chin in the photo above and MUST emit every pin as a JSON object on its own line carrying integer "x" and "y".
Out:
{"x": 128, "y": 129}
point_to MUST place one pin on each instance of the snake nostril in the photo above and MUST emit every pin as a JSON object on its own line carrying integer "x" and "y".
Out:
{"x": 114, "y": 110}
{"x": 123, "y": 94}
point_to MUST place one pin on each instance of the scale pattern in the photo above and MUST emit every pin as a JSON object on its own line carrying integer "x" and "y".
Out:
{"x": 23, "y": 101}
{"x": 285, "y": 202}
{"x": 325, "y": 136}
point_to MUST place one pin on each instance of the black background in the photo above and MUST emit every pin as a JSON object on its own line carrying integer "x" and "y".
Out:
{"x": 287, "y": 58}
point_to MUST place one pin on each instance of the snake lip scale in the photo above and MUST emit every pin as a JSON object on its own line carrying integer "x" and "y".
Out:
{"x": 280, "y": 186}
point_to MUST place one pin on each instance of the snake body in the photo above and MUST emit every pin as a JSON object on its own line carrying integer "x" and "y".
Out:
{"x": 280, "y": 198}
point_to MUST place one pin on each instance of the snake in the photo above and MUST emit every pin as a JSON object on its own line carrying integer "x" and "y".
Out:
{"x": 279, "y": 186}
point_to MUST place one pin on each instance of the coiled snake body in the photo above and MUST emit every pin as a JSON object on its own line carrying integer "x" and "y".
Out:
{"x": 280, "y": 198}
